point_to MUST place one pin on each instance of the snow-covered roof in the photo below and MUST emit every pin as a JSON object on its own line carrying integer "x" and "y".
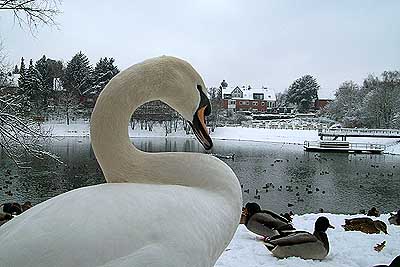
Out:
{"x": 269, "y": 94}
{"x": 228, "y": 90}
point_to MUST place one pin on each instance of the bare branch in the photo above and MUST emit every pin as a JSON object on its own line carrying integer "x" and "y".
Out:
{"x": 32, "y": 13}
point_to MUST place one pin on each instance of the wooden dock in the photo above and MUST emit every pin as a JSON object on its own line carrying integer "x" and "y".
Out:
{"x": 343, "y": 146}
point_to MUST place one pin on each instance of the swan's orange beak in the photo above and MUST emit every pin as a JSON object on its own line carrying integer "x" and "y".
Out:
{"x": 200, "y": 128}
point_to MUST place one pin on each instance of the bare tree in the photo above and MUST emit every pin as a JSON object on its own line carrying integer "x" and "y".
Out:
{"x": 20, "y": 137}
{"x": 32, "y": 13}
{"x": 3, "y": 67}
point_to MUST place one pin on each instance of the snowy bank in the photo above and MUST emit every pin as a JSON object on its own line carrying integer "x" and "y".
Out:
{"x": 224, "y": 133}
{"x": 350, "y": 249}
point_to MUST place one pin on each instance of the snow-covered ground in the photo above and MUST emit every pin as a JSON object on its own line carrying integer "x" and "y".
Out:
{"x": 226, "y": 133}
{"x": 350, "y": 249}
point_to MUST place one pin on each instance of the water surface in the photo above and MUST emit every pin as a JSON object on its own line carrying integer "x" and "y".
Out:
{"x": 300, "y": 181}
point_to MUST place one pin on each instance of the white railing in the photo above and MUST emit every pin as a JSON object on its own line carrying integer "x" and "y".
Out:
{"x": 287, "y": 125}
{"x": 360, "y": 132}
{"x": 351, "y": 146}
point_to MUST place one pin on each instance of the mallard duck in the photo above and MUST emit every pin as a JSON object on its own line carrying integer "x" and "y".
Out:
{"x": 12, "y": 208}
{"x": 365, "y": 225}
{"x": 5, "y": 217}
{"x": 264, "y": 222}
{"x": 301, "y": 243}
{"x": 395, "y": 263}
{"x": 373, "y": 212}
{"x": 395, "y": 218}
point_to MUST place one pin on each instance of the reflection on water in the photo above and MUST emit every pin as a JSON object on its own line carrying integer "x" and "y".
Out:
{"x": 274, "y": 175}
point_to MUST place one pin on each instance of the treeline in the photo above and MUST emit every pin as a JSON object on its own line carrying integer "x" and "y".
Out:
{"x": 374, "y": 104}
{"x": 51, "y": 87}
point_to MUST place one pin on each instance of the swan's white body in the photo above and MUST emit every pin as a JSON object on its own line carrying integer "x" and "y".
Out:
{"x": 161, "y": 209}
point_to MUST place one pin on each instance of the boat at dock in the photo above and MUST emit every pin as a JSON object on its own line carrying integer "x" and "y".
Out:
{"x": 343, "y": 146}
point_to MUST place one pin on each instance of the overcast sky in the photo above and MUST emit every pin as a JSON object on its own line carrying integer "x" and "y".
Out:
{"x": 257, "y": 43}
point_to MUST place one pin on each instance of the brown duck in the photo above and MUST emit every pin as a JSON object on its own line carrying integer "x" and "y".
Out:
{"x": 365, "y": 225}
{"x": 264, "y": 222}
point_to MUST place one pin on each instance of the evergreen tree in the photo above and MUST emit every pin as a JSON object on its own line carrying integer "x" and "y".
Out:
{"x": 16, "y": 70}
{"x": 77, "y": 76}
{"x": 42, "y": 67}
{"x": 45, "y": 67}
{"x": 103, "y": 73}
{"x": 34, "y": 89}
{"x": 303, "y": 92}
{"x": 21, "y": 80}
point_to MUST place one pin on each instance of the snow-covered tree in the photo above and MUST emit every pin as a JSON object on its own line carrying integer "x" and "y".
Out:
{"x": 376, "y": 104}
{"x": 49, "y": 69}
{"x": 281, "y": 99}
{"x": 33, "y": 89}
{"x": 21, "y": 80}
{"x": 20, "y": 136}
{"x": 16, "y": 70}
{"x": 41, "y": 67}
{"x": 78, "y": 75}
{"x": 382, "y": 100}
{"x": 347, "y": 106}
{"x": 4, "y": 72}
{"x": 104, "y": 71}
{"x": 216, "y": 104}
{"x": 303, "y": 92}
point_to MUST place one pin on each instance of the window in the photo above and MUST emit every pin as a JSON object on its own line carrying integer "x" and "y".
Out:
{"x": 262, "y": 103}
{"x": 227, "y": 96}
{"x": 255, "y": 103}
{"x": 258, "y": 96}
{"x": 232, "y": 102}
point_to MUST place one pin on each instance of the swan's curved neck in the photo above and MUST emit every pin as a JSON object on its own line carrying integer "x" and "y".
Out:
{"x": 117, "y": 156}
{"x": 114, "y": 150}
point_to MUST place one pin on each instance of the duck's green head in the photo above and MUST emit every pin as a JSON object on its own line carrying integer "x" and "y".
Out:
{"x": 322, "y": 224}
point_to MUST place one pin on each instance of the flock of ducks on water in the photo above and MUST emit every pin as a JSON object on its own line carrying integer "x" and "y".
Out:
{"x": 283, "y": 240}
{"x": 302, "y": 192}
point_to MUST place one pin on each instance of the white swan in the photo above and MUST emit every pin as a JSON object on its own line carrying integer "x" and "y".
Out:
{"x": 157, "y": 209}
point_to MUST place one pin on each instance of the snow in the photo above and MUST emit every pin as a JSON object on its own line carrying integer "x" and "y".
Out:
{"x": 286, "y": 136}
{"x": 350, "y": 249}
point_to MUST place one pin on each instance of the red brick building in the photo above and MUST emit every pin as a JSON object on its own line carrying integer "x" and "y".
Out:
{"x": 321, "y": 103}
{"x": 248, "y": 99}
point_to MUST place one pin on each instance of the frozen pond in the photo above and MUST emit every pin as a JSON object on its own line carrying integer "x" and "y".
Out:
{"x": 305, "y": 181}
